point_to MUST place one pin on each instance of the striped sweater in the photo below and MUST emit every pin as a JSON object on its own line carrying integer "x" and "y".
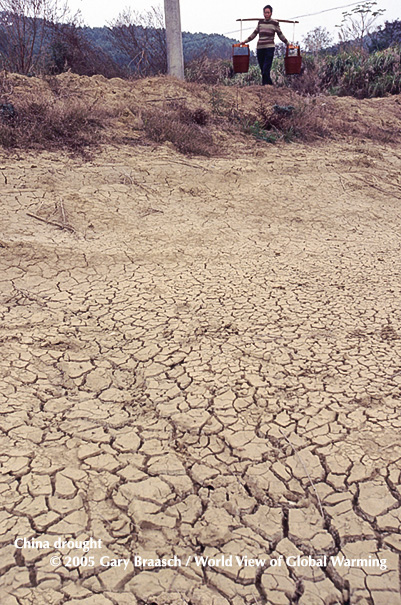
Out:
{"x": 266, "y": 31}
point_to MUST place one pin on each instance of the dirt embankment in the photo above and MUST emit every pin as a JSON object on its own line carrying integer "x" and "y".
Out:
{"x": 75, "y": 112}
{"x": 199, "y": 357}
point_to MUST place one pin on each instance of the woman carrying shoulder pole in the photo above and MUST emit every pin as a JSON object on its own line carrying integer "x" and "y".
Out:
{"x": 266, "y": 29}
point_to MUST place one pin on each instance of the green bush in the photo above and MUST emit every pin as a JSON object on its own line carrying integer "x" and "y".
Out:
{"x": 356, "y": 74}
{"x": 256, "y": 129}
{"x": 251, "y": 78}
{"x": 362, "y": 75}
{"x": 351, "y": 73}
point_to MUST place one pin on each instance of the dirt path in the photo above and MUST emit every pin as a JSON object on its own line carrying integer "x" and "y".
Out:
{"x": 160, "y": 363}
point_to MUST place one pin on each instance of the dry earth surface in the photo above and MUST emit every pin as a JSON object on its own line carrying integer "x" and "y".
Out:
{"x": 206, "y": 363}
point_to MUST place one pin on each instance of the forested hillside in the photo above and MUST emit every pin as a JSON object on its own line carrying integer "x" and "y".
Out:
{"x": 30, "y": 45}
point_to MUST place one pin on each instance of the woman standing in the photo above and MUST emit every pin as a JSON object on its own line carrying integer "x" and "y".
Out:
{"x": 266, "y": 29}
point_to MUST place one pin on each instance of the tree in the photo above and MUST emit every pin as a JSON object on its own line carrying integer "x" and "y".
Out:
{"x": 25, "y": 25}
{"x": 357, "y": 23}
{"x": 71, "y": 49}
{"x": 142, "y": 37}
{"x": 317, "y": 40}
{"x": 385, "y": 36}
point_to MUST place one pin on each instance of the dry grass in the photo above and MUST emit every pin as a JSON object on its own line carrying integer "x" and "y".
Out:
{"x": 47, "y": 119}
{"x": 44, "y": 124}
{"x": 186, "y": 129}
{"x": 312, "y": 118}
{"x": 208, "y": 71}
{"x": 304, "y": 119}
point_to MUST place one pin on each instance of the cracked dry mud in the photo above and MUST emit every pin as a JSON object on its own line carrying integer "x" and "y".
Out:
{"x": 161, "y": 364}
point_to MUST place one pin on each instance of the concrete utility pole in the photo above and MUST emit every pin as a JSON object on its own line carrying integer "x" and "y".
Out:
{"x": 175, "y": 55}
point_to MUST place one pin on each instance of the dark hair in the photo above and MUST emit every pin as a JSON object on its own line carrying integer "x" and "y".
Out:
{"x": 268, "y": 6}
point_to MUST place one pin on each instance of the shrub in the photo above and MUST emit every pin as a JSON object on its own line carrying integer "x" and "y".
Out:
{"x": 206, "y": 71}
{"x": 252, "y": 78}
{"x": 259, "y": 132}
{"x": 363, "y": 75}
{"x": 308, "y": 82}
{"x": 351, "y": 73}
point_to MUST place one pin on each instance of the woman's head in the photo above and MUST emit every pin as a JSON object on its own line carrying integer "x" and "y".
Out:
{"x": 267, "y": 11}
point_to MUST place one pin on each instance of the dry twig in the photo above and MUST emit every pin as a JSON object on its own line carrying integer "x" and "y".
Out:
{"x": 62, "y": 210}
{"x": 370, "y": 184}
{"x": 54, "y": 223}
{"x": 164, "y": 99}
{"x": 151, "y": 211}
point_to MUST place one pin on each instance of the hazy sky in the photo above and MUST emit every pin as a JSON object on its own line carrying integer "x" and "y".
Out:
{"x": 211, "y": 16}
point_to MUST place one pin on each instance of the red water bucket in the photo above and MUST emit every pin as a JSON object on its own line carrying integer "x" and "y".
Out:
{"x": 292, "y": 60}
{"x": 241, "y": 55}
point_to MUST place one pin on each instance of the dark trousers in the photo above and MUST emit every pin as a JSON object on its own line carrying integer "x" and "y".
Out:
{"x": 265, "y": 60}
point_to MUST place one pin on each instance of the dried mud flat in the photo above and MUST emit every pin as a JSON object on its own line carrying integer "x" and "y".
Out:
{"x": 203, "y": 364}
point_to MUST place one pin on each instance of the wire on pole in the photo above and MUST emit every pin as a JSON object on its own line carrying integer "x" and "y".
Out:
{"x": 327, "y": 10}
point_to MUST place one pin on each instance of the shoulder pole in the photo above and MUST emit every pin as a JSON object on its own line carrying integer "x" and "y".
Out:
{"x": 260, "y": 19}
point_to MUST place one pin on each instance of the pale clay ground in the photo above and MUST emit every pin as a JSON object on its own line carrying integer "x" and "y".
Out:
{"x": 155, "y": 361}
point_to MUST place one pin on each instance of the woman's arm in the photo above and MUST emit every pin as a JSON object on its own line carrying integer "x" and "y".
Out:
{"x": 281, "y": 35}
{"x": 252, "y": 36}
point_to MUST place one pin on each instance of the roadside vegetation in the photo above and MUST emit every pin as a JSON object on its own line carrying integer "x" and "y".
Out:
{"x": 44, "y": 40}
{"x": 366, "y": 63}
{"x": 347, "y": 73}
